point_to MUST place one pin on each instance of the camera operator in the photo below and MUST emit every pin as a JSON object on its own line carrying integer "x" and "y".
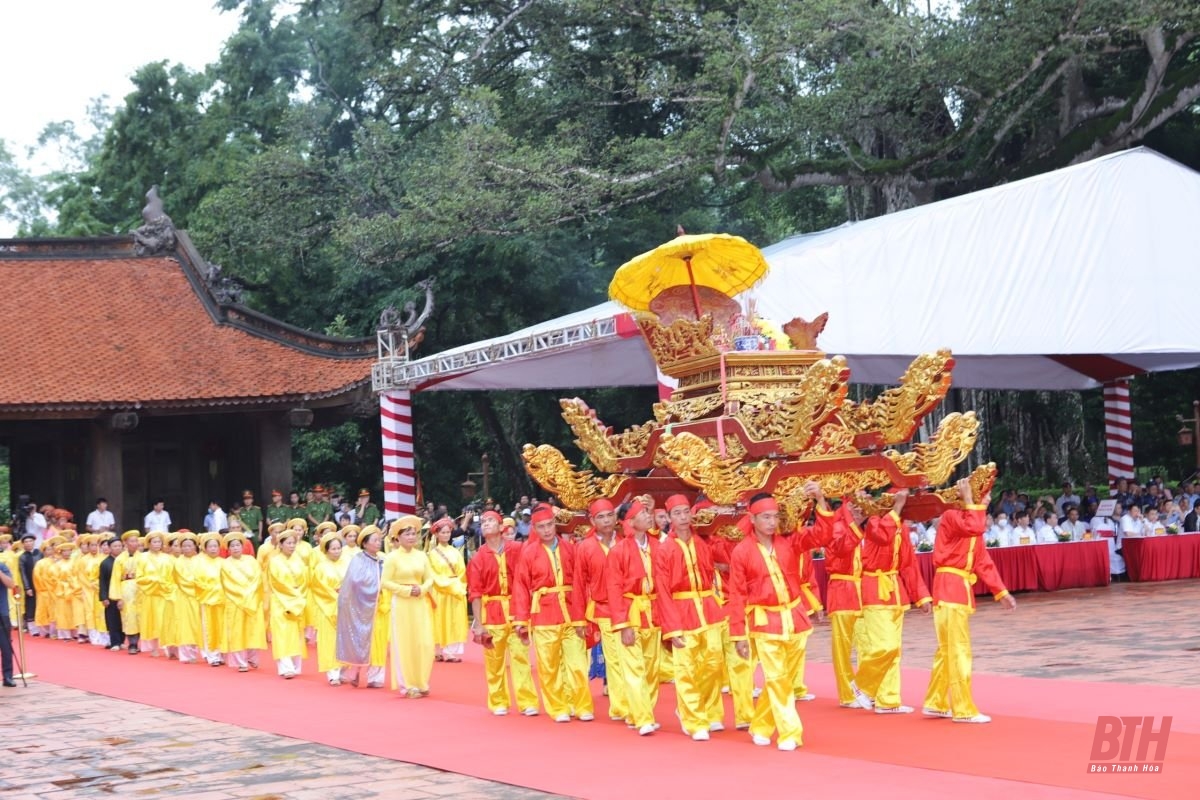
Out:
{"x": 27, "y": 519}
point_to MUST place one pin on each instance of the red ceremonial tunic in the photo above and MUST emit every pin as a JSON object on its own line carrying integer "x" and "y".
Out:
{"x": 765, "y": 599}
{"x": 492, "y": 586}
{"x": 960, "y": 558}
{"x": 544, "y": 595}
{"x": 591, "y": 577}
{"x": 843, "y": 562}
{"x": 804, "y": 541}
{"x": 633, "y": 595}
{"x": 687, "y": 601}
{"x": 889, "y": 566}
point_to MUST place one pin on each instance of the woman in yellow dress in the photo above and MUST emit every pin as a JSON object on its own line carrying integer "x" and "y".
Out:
{"x": 364, "y": 609}
{"x": 408, "y": 578}
{"x": 323, "y": 583}
{"x": 45, "y": 613}
{"x": 187, "y": 599}
{"x": 287, "y": 588}
{"x": 81, "y": 565}
{"x": 168, "y": 637}
{"x": 206, "y": 573}
{"x": 155, "y": 582}
{"x": 241, "y": 580}
{"x": 68, "y": 601}
{"x": 449, "y": 594}
{"x": 123, "y": 587}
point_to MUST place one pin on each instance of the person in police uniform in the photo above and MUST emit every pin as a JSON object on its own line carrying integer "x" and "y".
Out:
{"x": 277, "y": 511}
{"x": 251, "y": 517}
{"x": 319, "y": 509}
{"x": 366, "y": 512}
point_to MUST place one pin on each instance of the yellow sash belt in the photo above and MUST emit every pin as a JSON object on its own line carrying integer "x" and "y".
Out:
{"x": 698, "y": 599}
{"x": 969, "y": 577}
{"x": 887, "y": 583}
{"x": 760, "y": 613}
{"x": 503, "y": 599}
{"x": 536, "y": 604}
{"x": 640, "y": 604}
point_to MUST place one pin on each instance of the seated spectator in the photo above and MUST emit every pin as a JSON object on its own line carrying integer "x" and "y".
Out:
{"x": 999, "y": 532}
{"x": 1171, "y": 515}
{"x": 1090, "y": 499}
{"x": 1153, "y": 526}
{"x": 1191, "y": 521}
{"x": 1021, "y": 532}
{"x": 1007, "y": 504}
{"x": 1068, "y": 497}
{"x": 1079, "y": 530}
{"x": 1132, "y": 522}
{"x": 1047, "y": 532}
{"x": 1187, "y": 497}
{"x": 1044, "y": 515}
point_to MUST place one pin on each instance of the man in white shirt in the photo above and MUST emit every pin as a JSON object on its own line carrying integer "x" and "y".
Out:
{"x": 35, "y": 523}
{"x": 1075, "y": 526}
{"x": 101, "y": 519}
{"x": 1021, "y": 533}
{"x": 1152, "y": 525}
{"x": 1068, "y": 497}
{"x": 1047, "y": 532}
{"x": 158, "y": 519}
{"x": 1000, "y": 531}
{"x": 1133, "y": 523}
{"x": 216, "y": 518}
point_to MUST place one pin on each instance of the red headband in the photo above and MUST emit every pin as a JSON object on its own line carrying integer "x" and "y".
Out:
{"x": 763, "y": 505}
{"x": 444, "y": 522}
{"x": 492, "y": 515}
{"x": 635, "y": 508}
{"x": 600, "y": 506}
{"x": 676, "y": 500}
{"x": 542, "y": 513}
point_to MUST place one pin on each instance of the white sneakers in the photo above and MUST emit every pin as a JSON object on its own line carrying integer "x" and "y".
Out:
{"x": 788, "y": 745}
{"x": 896, "y": 710}
{"x": 807, "y": 697}
{"x": 930, "y": 712}
{"x": 700, "y": 736}
{"x": 761, "y": 741}
{"x": 647, "y": 729}
{"x": 978, "y": 719}
{"x": 563, "y": 718}
{"x": 529, "y": 712}
{"x": 717, "y": 726}
{"x": 586, "y": 717}
{"x": 500, "y": 712}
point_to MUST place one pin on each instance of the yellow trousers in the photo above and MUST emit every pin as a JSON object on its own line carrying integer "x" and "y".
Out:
{"x": 698, "y": 680}
{"x": 610, "y": 643}
{"x": 951, "y": 675}
{"x": 801, "y": 685}
{"x": 639, "y": 671}
{"x": 843, "y": 639}
{"x": 666, "y": 666}
{"x": 739, "y": 677}
{"x": 561, "y": 694}
{"x": 775, "y": 710}
{"x": 577, "y": 661}
{"x": 508, "y": 658}
{"x": 879, "y": 661}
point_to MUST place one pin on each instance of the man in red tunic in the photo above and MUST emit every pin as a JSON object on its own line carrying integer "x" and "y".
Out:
{"x": 959, "y": 560}
{"x": 490, "y": 580}
{"x": 890, "y": 582}
{"x": 592, "y": 577}
{"x": 634, "y": 574}
{"x": 692, "y": 620}
{"x": 767, "y": 614}
{"x": 843, "y": 600}
{"x": 804, "y": 541}
{"x": 547, "y": 609}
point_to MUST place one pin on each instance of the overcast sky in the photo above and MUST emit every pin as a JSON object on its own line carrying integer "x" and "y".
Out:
{"x": 56, "y": 55}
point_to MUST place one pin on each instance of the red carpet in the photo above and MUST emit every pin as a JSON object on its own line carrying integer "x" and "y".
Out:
{"x": 1037, "y": 746}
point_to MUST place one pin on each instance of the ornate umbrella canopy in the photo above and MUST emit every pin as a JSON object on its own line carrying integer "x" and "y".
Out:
{"x": 722, "y": 262}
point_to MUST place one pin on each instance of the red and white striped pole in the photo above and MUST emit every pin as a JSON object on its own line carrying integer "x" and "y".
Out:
{"x": 1118, "y": 431}
{"x": 399, "y": 468}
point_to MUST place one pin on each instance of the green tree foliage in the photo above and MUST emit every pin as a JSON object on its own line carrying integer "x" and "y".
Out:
{"x": 340, "y": 151}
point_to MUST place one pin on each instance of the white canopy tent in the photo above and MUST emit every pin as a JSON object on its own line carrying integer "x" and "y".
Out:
{"x": 1026, "y": 283}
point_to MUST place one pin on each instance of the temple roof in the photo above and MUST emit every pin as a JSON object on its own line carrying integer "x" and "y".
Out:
{"x": 86, "y": 325}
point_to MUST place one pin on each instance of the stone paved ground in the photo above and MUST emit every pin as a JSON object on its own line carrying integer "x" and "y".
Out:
{"x": 62, "y": 742}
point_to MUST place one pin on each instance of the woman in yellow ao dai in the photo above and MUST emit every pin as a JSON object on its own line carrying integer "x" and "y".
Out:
{"x": 408, "y": 578}
{"x": 287, "y": 587}
{"x": 241, "y": 580}
{"x": 449, "y": 594}
{"x": 206, "y": 572}
{"x": 323, "y": 584}
{"x": 155, "y": 582}
{"x": 188, "y": 631}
